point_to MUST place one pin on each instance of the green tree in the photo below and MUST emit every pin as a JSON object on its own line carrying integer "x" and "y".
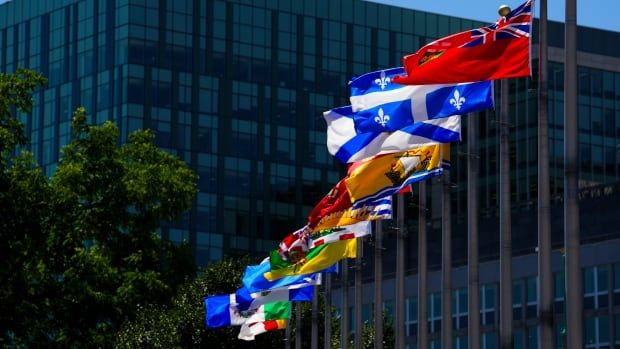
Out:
{"x": 81, "y": 253}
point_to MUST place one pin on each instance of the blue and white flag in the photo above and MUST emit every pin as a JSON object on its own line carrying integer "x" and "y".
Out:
{"x": 385, "y": 117}
{"x": 255, "y": 281}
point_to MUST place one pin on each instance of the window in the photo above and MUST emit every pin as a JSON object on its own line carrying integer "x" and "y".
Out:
{"x": 532, "y": 337}
{"x": 434, "y": 312}
{"x": 518, "y": 338}
{"x": 596, "y": 332}
{"x": 460, "y": 342}
{"x": 487, "y": 304}
{"x": 459, "y": 308}
{"x": 517, "y": 302}
{"x": 595, "y": 287}
{"x": 411, "y": 322}
{"x": 616, "y": 284}
{"x": 559, "y": 291}
{"x": 489, "y": 340}
{"x": 532, "y": 300}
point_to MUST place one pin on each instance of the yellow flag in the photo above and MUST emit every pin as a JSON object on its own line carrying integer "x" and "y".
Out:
{"x": 387, "y": 174}
{"x": 323, "y": 257}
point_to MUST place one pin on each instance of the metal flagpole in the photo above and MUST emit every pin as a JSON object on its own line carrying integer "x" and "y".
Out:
{"x": 446, "y": 263}
{"x": 422, "y": 269}
{"x": 327, "y": 302}
{"x": 358, "y": 295}
{"x": 399, "y": 328}
{"x": 473, "y": 288}
{"x": 287, "y": 335}
{"x": 314, "y": 341}
{"x": 378, "y": 285}
{"x": 574, "y": 293}
{"x": 545, "y": 276}
{"x": 344, "y": 320}
{"x": 298, "y": 326}
{"x": 505, "y": 253}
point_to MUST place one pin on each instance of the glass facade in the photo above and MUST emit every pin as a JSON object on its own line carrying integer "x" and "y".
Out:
{"x": 237, "y": 89}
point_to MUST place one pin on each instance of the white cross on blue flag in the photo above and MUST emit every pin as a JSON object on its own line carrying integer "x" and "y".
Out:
{"x": 385, "y": 117}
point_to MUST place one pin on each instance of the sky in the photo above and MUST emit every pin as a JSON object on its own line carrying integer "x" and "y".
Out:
{"x": 602, "y": 14}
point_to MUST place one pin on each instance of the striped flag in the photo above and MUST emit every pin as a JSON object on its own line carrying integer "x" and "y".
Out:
{"x": 249, "y": 331}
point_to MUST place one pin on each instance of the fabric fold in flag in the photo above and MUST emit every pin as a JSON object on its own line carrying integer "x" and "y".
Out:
{"x": 385, "y": 117}
{"x": 317, "y": 259}
{"x": 221, "y": 312}
{"x": 248, "y": 332}
{"x": 254, "y": 280}
{"x": 295, "y": 246}
{"x": 497, "y": 51}
{"x": 246, "y": 301}
{"x": 387, "y": 174}
{"x": 336, "y": 209}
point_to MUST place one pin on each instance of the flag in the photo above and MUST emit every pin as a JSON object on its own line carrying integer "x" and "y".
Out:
{"x": 317, "y": 259}
{"x": 336, "y": 209}
{"x": 497, "y": 51}
{"x": 249, "y": 331}
{"x": 385, "y": 117}
{"x": 296, "y": 246}
{"x": 221, "y": 312}
{"x": 245, "y": 301}
{"x": 254, "y": 281}
{"x": 387, "y": 174}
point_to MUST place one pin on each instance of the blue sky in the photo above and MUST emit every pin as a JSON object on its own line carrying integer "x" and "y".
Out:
{"x": 592, "y": 13}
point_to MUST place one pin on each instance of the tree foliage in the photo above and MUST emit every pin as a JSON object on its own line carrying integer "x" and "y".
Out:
{"x": 182, "y": 324}
{"x": 80, "y": 248}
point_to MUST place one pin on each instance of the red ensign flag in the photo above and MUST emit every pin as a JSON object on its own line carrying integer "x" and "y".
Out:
{"x": 500, "y": 50}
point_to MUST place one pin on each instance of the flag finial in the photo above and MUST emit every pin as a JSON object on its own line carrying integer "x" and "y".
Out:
{"x": 503, "y": 10}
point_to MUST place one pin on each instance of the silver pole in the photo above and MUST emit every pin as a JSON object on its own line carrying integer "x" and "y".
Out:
{"x": 344, "y": 323}
{"x": 378, "y": 285}
{"x": 505, "y": 254}
{"x": 287, "y": 335}
{"x": 298, "y": 326}
{"x": 399, "y": 328}
{"x": 358, "y": 295}
{"x": 422, "y": 270}
{"x": 314, "y": 341}
{"x": 446, "y": 263}
{"x": 574, "y": 294}
{"x": 473, "y": 289}
{"x": 328, "y": 311}
{"x": 545, "y": 276}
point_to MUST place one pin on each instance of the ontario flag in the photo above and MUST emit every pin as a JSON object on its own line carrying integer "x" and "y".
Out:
{"x": 497, "y": 51}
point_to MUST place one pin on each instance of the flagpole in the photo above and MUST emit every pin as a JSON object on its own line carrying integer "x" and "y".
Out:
{"x": 574, "y": 300}
{"x": 473, "y": 288}
{"x": 298, "y": 326}
{"x": 505, "y": 253}
{"x": 422, "y": 269}
{"x": 344, "y": 320}
{"x": 287, "y": 335}
{"x": 314, "y": 342}
{"x": 399, "y": 327}
{"x": 446, "y": 263}
{"x": 378, "y": 319}
{"x": 327, "y": 302}
{"x": 545, "y": 276}
{"x": 358, "y": 294}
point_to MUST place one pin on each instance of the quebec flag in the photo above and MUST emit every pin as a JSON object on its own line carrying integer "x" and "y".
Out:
{"x": 385, "y": 117}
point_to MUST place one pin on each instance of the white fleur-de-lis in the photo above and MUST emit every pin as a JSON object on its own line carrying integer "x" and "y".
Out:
{"x": 382, "y": 118}
{"x": 458, "y": 100}
{"x": 383, "y": 80}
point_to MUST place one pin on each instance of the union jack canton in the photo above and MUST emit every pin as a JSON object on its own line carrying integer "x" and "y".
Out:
{"x": 515, "y": 25}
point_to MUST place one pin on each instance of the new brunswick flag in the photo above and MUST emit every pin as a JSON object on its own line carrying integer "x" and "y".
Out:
{"x": 315, "y": 260}
{"x": 386, "y": 175}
